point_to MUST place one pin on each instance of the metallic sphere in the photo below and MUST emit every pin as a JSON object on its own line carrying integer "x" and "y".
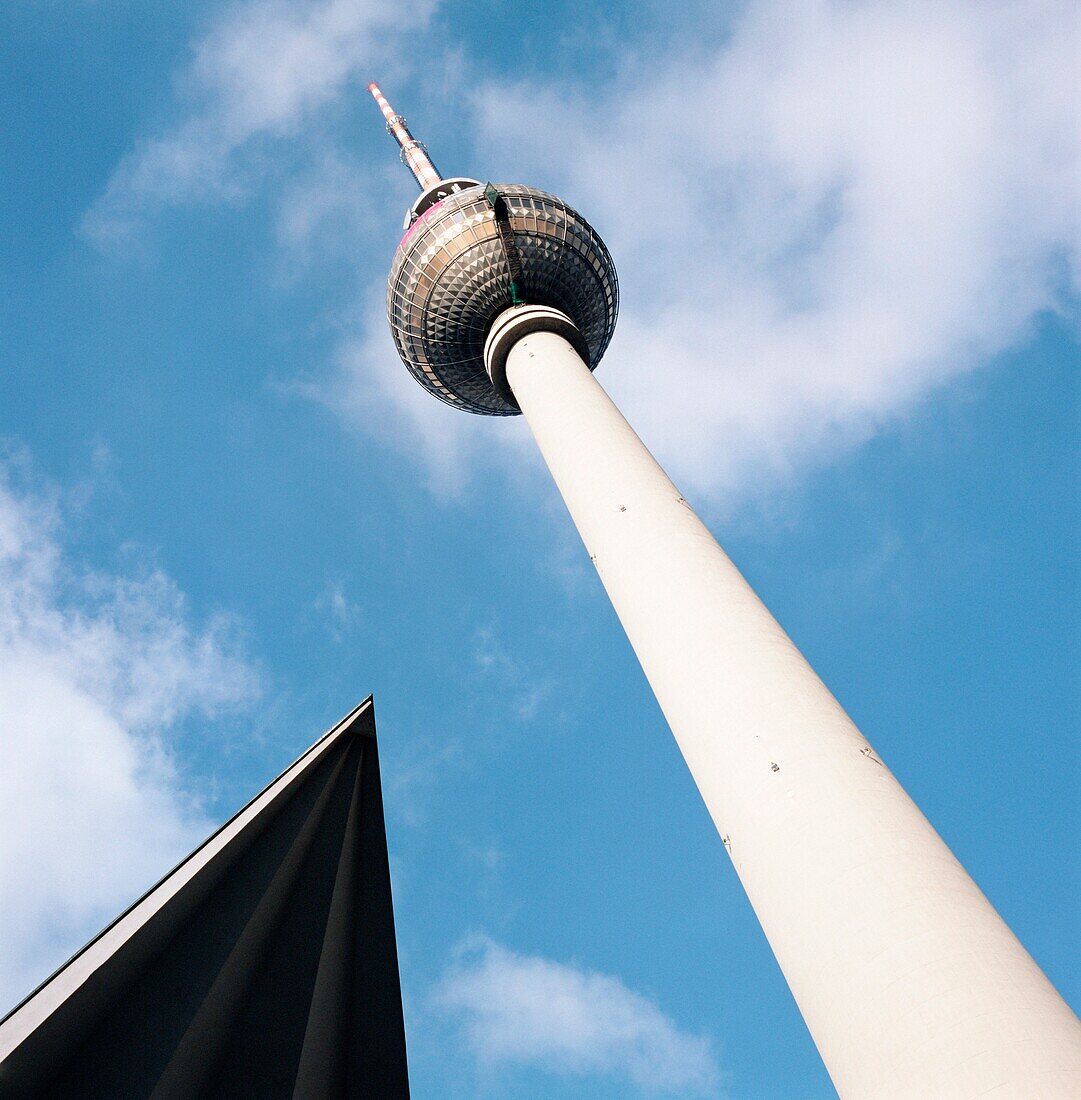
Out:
{"x": 473, "y": 255}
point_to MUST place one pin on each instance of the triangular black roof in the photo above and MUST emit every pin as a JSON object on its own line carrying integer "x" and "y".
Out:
{"x": 263, "y": 965}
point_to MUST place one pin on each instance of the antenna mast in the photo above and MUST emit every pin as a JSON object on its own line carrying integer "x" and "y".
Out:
{"x": 414, "y": 154}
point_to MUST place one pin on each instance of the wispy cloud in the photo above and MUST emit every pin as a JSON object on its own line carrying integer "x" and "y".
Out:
{"x": 259, "y": 73}
{"x": 370, "y": 389}
{"x": 412, "y": 769}
{"x": 530, "y": 1011}
{"x": 94, "y": 670}
{"x": 338, "y": 610}
{"x": 325, "y": 208}
{"x": 524, "y": 687}
{"x": 816, "y": 223}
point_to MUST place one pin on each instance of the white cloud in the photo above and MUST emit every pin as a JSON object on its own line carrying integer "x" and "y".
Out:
{"x": 94, "y": 670}
{"x": 819, "y": 221}
{"x": 260, "y": 73}
{"x": 527, "y": 1010}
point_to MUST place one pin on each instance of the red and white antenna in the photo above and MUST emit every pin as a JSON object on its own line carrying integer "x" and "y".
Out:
{"x": 414, "y": 154}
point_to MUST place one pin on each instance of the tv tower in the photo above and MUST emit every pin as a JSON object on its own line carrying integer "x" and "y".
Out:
{"x": 502, "y": 300}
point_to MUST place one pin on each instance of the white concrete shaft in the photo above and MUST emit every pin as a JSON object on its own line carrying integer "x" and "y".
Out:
{"x": 910, "y": 982}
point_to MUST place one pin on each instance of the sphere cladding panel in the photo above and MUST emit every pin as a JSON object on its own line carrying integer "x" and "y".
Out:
{"x": 451, "y": 278}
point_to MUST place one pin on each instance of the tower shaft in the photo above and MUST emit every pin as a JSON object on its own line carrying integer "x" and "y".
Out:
{"x": 909, "y": 981}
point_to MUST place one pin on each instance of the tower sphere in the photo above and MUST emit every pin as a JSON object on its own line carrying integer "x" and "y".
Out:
{"x": 477, "y": 252}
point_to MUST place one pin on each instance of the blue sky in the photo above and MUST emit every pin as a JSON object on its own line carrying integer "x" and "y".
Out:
{"x": 847, "y": 243}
